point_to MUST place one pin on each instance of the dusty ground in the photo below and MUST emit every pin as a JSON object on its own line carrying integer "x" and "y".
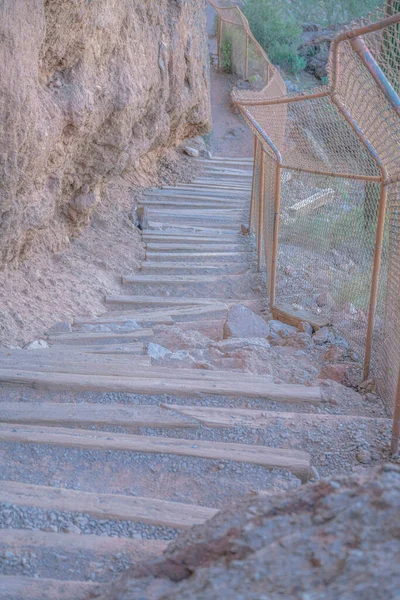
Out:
{"x": 51, "y": 287}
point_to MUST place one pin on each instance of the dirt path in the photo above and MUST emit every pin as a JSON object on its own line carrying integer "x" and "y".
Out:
{"x": 133, "y": 426}
{"x": 230, "y": 136}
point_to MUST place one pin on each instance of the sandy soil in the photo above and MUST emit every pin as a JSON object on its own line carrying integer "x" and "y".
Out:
{"x": 49, "y": 287}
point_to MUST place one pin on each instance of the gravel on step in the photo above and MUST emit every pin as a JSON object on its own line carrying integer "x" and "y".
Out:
{"x": 164, "y": 476}
{"x": 27, "y": 517}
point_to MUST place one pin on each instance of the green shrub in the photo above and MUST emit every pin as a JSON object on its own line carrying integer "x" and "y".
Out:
{"x": 276, "y": 30}
{"x": 226, "y": 52}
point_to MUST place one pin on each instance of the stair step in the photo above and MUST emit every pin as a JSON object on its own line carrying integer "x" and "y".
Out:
{"x": 81, "y": 548}
{"x": 187, "y": 226}
{"x": 58, "y": 365}
{"x": 199, "y": 205}
{"x": 208, "y": 247}
{"x": 260, "y": 419}
{"x": 190, "y": 238}
{"x": 228, "y": 256}
{"x": 171, "y": 301}
{"x": 248, "y": 386}
{"x": 199, "y": 192}
{"x": 106, "y": 506}
{"x": 176, "y": 314}
{"x": 293, "y": 460}
{"x": 177, "y": 267}
{"x": 93, "y": 338}
{"x": 170, "y": 279}
{"x": 115, "y": 415}
{"x": 193, "y": 196}
{"x": 21, "y": 588}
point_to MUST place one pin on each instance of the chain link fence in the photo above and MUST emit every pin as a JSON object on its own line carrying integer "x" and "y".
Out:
{"x": 325, "y": 206}
{"x": 238, "y": 50}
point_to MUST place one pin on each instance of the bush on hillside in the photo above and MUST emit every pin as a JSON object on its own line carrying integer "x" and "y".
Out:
{"x": 277, "y": 31}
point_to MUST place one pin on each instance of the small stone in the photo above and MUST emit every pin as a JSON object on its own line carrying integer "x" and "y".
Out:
{"x": 193, "y": 152}
{"x": 364, "y": 456}
{"x": 305, "y": 327}
{"x": 324, "y": 299}
{"x": 73, "y": 529}
{"x": 37, "y": 345}
{"x": 323, "y": 336}
{"x": 334, "y": 353}
{"x": 337, "y": 373}
{"x": 156, "y": 351}
{"x": 244, "y": 229}
{"x": 208, "y": 154}
{"x": 281, "y": 329}
{"x": 349, "y": 308}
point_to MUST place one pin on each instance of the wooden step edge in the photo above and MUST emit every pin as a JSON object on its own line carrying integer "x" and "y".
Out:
{"x": 260, "y": 419}
{"x": 287, "y": 314}
{"x": 77, "y": 414}
{"x": 19, "y": 541}
{"x": 106, "y": 506}
{"x": 21, "y": 588}
{"x": 168, "y": 300}
{"x": 249, "y": 388}
{"x": 98, "y": 336}
{"x": 174, "y": 313}
{"x": 296, "y": 461}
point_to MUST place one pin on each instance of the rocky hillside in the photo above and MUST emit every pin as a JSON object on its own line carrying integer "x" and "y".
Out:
{"x": 91, "y": 90}
{"x": 334, "y": 539}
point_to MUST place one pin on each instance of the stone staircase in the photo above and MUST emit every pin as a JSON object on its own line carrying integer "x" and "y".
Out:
{"x": 112, "y": 440}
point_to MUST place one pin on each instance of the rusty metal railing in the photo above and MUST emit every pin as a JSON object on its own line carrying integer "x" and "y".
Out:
{"x": 325, "y": 204}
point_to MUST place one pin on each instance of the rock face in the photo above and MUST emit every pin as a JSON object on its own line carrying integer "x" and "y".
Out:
{"x": 243, "y": 322}
{"x": 333, "y": 539}
{"x": 89, "y": 91}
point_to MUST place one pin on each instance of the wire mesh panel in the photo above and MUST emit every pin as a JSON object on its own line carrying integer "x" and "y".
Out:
{"x": 326, "y": 250}
{"x": 255, "y": 197}
{"x": 386, "y": 344}
{"x": 270, "y": 175}
{"x": 331, "y": 219}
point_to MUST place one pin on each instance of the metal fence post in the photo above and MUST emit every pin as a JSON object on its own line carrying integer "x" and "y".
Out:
{"x": 246, "y": 58}
{"x": 380, "y": 229}
{"x": 261, "y": 211}
{"x": 219, "y": 34}
{"x": 396, "y": 421}
{"x": 252, "y": 199}
{"x": 275, "y": 242}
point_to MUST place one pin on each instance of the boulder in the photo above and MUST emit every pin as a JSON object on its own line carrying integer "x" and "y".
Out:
{"x": 336, "y": 538}
{"x": 244, "y": 323}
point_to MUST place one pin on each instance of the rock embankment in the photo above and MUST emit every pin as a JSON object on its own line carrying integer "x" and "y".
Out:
{"x": 90, "y": 91}
{"x": 334, "y": 539}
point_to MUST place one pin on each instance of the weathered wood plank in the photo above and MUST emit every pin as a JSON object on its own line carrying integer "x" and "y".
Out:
{"x": 21, "y": 588}
{"x": 248, "y": 387}
{"x": 170, "y": 301}
{"x": 294, "y": 460}
{"x": 93, "y": 337}
{"x": 176, "y": 313}
{"x": 21, "y": 541}
{"x": 115, "y": 415}
{"x": 290, "y": 316}
{"x": 106, "y": 506}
